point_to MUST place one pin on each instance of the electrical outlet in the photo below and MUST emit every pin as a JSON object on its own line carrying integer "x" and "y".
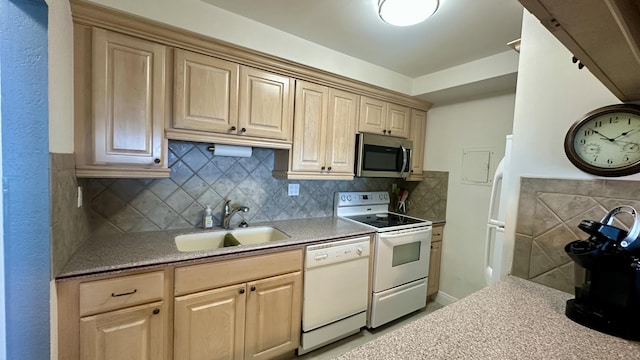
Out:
{"x": 294, "y": 189}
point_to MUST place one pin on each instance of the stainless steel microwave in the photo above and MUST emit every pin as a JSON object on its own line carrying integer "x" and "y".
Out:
{"x": 382, "y": 156}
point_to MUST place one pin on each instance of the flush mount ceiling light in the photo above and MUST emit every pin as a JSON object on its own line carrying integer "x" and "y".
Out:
{"x": 406, "y": 12}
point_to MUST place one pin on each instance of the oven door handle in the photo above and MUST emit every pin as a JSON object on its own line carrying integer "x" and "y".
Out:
{"x": 404, "y": 160}
{"x": 404, "y": 237}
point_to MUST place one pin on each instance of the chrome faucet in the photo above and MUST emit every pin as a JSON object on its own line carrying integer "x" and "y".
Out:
{"x": 227, "y": 213}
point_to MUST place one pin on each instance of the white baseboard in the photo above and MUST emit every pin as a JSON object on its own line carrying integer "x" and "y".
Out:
{"x": 444, "y": 299}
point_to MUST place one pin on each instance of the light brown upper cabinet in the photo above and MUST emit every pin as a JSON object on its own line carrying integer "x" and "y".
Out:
{"x": 205, "y": 96}
{"x": 219, "y": 101}
{"x": 602, "y": 35}
{"x": 418, "y": 133}
{"x": 266, "y": 104}
{"x": 120, "y": 99}
{"x": 381, "y": 117}
{"x": 324, "y": 135}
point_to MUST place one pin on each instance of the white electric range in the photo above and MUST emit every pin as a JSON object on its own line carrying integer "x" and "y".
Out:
{"x": 400, "y": 254}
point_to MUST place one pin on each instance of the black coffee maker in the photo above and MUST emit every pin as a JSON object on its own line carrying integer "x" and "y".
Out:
{"x": 607, "y": 276}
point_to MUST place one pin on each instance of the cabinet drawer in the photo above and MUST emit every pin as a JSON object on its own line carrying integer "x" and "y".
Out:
{"x": 436, "y": 234}
{"x": 104, "y": 295}
{"x": 194, "y": 278}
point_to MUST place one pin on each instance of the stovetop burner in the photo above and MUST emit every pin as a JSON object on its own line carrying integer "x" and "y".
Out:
{"x": 384, "y": 220}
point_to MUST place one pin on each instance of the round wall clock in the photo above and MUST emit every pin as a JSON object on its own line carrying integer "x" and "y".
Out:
{"x": 606, "y": 141}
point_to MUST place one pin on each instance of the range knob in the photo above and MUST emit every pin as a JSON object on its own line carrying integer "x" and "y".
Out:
{"x": 359, "y": 250}
{"x": 381, "y": 196}
{"x": 348, "y": 197}
{"x": 343, "y": 198}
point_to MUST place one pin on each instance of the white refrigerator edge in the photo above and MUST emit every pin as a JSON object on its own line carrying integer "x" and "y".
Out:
{"x": 494, "y": 254}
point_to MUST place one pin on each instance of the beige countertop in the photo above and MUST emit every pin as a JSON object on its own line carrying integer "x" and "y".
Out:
{"x": 512, "y": 319}
{"x": 154, "y": 248}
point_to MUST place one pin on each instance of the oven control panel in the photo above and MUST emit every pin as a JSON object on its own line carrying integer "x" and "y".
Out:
{"x": 362, "y": 198}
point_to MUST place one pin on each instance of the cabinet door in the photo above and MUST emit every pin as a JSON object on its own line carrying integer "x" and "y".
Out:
{"x": 273, "y": 321}
{"x": 373, "y": 114}
{"x": 398, "y": 120}
{"x": 128, "y": 99}
{"x": 266, "y": 104}
{"x": 433, "y": 282}
{"x": 341, "y": 131}
{"x": 210, "y": 324}
{"x": 310, "y": 123}
{"x": 135, "y": 333}
{"x": 205, "y": 93}
{"x": 417, "y": 136}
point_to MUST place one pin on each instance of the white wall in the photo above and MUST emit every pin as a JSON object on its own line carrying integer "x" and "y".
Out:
{"x": 60, "y": 77}
{"x": 551, "y": 95}
{"x": 480, "y": 123}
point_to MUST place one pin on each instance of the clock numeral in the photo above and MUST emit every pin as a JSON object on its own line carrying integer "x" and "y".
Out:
{"x": 595, "y": 158}
{"x": 588, "y": 132}
{"x": 613, "y": 120}
{"x": 582, "y": 141}
{"x": 626, "y": 158}
{"x": 629, "y": 122}
{"x": 609, "y": 161}
{"x": 597, "y": 124}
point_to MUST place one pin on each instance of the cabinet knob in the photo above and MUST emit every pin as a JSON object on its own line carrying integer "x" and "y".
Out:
{"x": 322, "y": 168}
{"x": 242, "y": 291}
{"x": 384, "y": 131}
{"x": 329, "y": 168}
{"x": 243, "y": 130}
{"x": 233, "y": 128}
{"x": 389, "y": 132}
{"x": 156, "y": 311}
{"x": 253, "y": 288}
{"x": 157, "y": 161}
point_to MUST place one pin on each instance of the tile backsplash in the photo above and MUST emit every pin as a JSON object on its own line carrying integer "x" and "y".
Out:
{"x": 198, "y": 179}
{"x": 69, "y": 224}
{"x": 549, "y": 212}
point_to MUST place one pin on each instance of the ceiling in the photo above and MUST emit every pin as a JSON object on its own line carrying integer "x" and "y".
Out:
{"x": 460, "y": 31}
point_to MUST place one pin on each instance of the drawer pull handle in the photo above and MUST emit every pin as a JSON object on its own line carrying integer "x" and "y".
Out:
{"x": 156, "y": 311}
{"x": 124, "y": 294}
{"x": 241, "y": 291}
{"x": 253, "y": 288}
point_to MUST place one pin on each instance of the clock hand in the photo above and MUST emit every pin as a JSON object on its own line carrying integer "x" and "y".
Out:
{"x": 601, "y": 134}
{"x": 624, "y": 133}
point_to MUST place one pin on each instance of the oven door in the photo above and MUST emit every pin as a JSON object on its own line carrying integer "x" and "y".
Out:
{"x": 401, "y": 257}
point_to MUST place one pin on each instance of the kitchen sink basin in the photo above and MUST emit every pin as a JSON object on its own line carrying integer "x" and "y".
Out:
{"x": 215, "y": 239}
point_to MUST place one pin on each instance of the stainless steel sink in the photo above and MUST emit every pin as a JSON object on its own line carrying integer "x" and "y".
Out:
{"x": 215, "y": 239}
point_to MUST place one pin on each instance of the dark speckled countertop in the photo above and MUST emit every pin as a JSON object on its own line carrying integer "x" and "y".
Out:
{"x": 512, "y": 319}
{"x": 154, "y": 248}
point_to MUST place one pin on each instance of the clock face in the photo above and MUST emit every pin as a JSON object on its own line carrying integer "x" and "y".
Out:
{"x": 606, "y": 141}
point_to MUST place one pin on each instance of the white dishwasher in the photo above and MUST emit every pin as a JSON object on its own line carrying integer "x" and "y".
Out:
{"x": 336, "y": 286}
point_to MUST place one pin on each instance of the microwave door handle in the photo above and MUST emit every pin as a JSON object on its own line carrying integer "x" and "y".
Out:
{"x": 404, "y": 160}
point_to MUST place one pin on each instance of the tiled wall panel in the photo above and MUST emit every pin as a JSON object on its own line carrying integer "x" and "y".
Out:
{"x": 549, "y": 212}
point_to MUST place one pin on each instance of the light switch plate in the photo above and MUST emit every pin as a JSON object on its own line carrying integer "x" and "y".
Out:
{"x": 294, "y": 189}
{"x": 79, "y": 196}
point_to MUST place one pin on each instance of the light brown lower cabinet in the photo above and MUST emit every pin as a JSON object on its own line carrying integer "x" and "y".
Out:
{"x": 433, "y": 281}
{"x": 254, "y": 320}
{"x": 244, "y": 308}
{"x": 135, "y": 333}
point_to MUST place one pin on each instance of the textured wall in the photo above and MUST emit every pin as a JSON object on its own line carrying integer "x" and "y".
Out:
{"x": 549, "y": 212}
{"x": 25, "y": 175}
{"x": 69, "y": 224}
{"x": 199, "y": 179}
